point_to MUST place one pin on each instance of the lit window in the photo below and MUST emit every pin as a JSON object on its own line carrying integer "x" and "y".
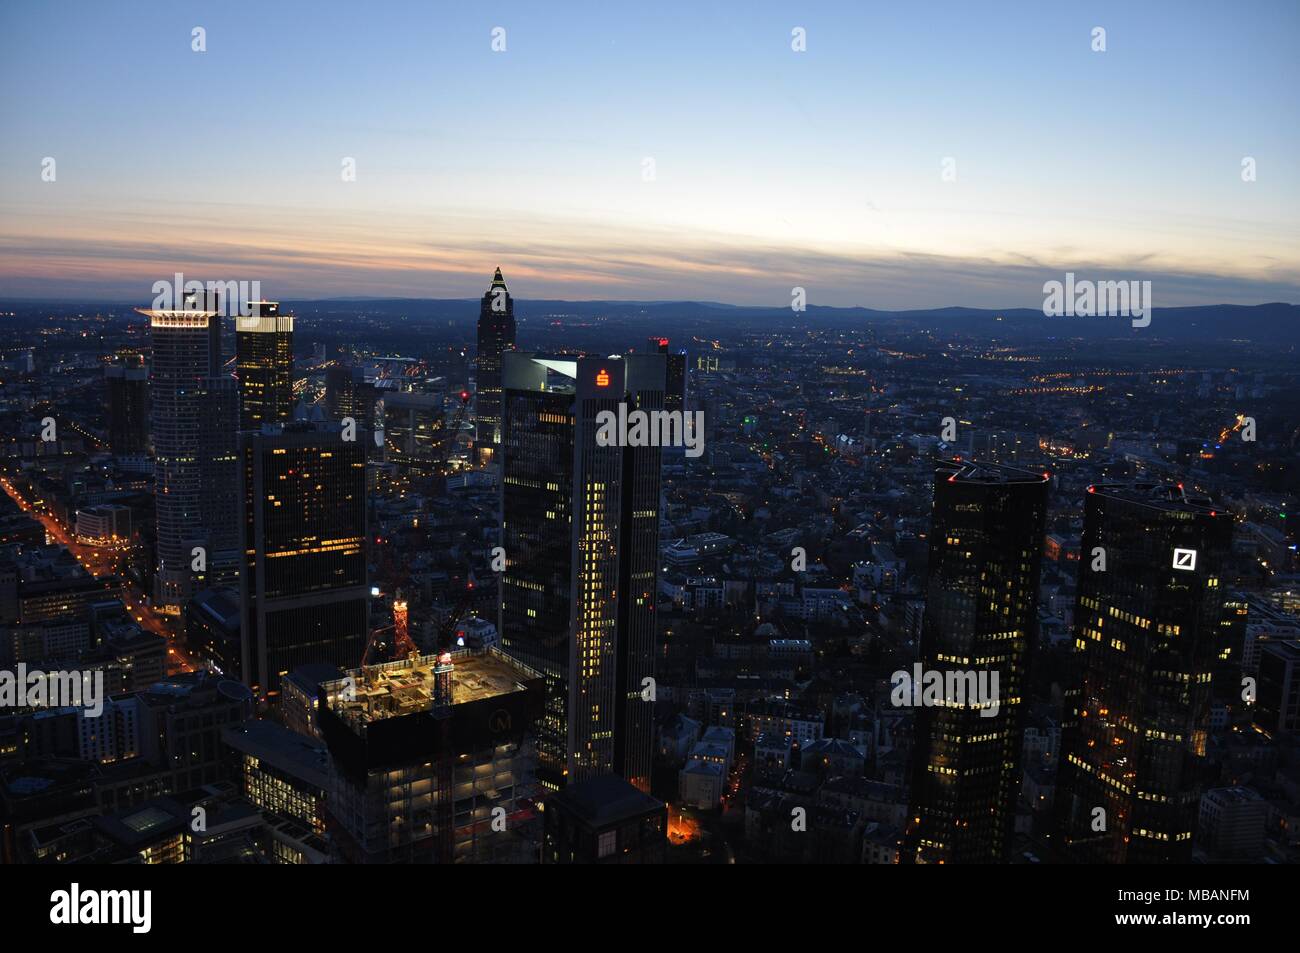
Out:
{"x": 607, "y": 843}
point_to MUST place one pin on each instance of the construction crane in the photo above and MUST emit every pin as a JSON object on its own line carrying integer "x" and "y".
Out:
{"x": 403, "y": 645}
{"x": 448, "y": 626}
{"x": 445, "y": 812}
{"x": 453, "y": 430}
{"x": 391, "y": 571}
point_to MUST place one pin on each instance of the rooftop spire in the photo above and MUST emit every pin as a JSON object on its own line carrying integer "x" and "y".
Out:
{"x": 497, "y": 280}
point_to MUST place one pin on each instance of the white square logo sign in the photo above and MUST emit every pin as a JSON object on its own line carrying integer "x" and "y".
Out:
{"x": 1185, "y": 559}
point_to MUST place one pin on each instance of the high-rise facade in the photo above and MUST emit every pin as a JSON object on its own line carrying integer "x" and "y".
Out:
{"x": 537, "y": 535}
{"x": 193, "y": 423}
{"x": 496, "y": 335}
{"x": 1147, "y": 638}
{"x": 264, "y": 365}
{"x": 304, "y": 592}
{"x": 580, "y": 528}
{"x": 675, "y": 379}
{"x": 349, "y": 394}
{"x": 432, "y": 760}
{"x": 127, "y": 404}
{"x": 980, "y": 621}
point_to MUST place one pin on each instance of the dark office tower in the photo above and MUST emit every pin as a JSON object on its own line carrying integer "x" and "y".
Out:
{"x": 303, "y": 587}
{"x": 127, "y": 385}
{"x": 349, "y": 394}
{"x": 580, "y": 528}
{"x": 496, "y": 335}
{"x": 193, "y": 423}
{"x": 264, "y": 365}
{"x": 675, "y": 382}
{"x": 537, "y": 535}
{"x": 1147, "y": 638}
{"x": 981, "y": 614}
{"x": 219, "y": 449}
{"x": 1277, "y": 711}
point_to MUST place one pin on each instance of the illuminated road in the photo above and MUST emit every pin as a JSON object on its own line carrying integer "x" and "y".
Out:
{"x": 99, "y": 563}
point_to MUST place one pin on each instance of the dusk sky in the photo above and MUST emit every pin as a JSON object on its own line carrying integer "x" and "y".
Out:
{"x": 772, "y": 168}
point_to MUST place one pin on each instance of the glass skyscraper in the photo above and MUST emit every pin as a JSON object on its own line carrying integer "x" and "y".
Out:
{"x": 580, "y": 528}
{"x": 264, "y": 365}
{"x": 981, "y": 617}
{"x": 304, "y": 592}
{"x": 1147, "y": 639}
{"x": 496, "y": 335}
{"x": 193, "y": 423}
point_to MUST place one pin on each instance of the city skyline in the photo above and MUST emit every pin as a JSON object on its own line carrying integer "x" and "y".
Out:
{"x": 862, "y": 435}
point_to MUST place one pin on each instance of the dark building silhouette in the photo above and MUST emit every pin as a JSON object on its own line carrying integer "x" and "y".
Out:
{"x": 1147, "y": 637}
{"x": 675, "y": 374}
{"x": 304, "y": 594}
{"x": 1277, "y": 708}
{"x": 604, "y": 820}
{"x": 349, "y": 394}
{"x": 264, "y": 365}
{"x": 496, "y": 335}
{"x": 981, "y": 615}
{"x": 580, "y": 528}
{"x": 127, "y": 400}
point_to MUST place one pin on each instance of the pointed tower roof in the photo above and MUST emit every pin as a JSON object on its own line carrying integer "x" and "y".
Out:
{"x": 497, "y": 280}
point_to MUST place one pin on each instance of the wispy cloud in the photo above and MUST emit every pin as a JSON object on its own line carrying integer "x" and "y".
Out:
{"x": 318, "y": 253}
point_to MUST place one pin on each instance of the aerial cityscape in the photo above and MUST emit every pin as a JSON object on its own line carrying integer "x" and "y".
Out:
{"x": 612, "y": 520}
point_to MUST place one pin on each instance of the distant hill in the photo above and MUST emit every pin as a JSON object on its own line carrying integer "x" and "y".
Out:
{"x": 1260, "y": 324}
{"x": 1264, "y": 324}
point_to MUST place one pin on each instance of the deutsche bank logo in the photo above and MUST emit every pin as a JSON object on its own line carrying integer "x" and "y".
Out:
{"x": 1185, "y": 559}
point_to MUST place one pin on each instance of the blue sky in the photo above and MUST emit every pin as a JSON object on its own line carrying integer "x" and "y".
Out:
{"x": 771, "y": 168}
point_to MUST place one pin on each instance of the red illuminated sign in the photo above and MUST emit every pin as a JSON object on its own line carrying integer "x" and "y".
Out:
{"x": 602, "y": 378}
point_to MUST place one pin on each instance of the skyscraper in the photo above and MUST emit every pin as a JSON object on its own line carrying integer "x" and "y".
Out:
{"x": 981, "y": 615}
{"x": 349, "y": 394}
{"x": 432, "y": 760}
{"x": 1147, "y": 637}
{"x": 580, "y": 528}
{"x": 127, "y": 386}
{"x": 264, "y": 365}
{"x": 193, "y": 421}
{"x": 496, "y": 335}
{"x": 219, "y": 449}
{"x": 304, "y": 592}
{"x": 675, "y": 379}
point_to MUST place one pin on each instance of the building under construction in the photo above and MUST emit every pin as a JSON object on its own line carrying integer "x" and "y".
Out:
{"x": 433, "y": 760}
